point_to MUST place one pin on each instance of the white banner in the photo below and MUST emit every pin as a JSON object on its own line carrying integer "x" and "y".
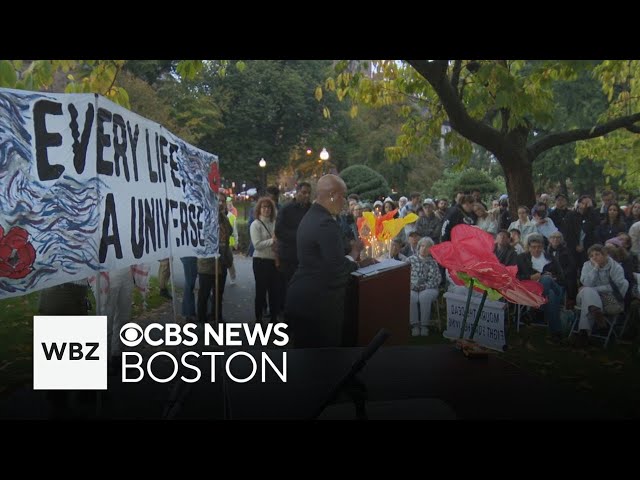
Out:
{"x": 490, "y": 331}
{"x": 88, "y": 186}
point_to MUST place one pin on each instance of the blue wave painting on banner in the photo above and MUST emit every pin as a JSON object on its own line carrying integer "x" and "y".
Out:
{"x": 88, "y": 186}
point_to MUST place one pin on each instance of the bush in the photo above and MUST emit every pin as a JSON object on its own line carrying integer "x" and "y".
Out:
{"x": 366, "y": 182}
{"x": 467, "y": 180}
{"x": 243, "y": 235}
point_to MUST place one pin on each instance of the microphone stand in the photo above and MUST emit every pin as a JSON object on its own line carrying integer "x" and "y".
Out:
{"x": 351, "y": 383}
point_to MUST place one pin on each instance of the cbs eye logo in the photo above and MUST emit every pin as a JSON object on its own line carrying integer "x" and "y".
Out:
{"x": 131, "y": 334}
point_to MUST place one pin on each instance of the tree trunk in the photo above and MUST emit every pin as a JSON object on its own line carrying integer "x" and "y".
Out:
{"x": 518, "y": 173}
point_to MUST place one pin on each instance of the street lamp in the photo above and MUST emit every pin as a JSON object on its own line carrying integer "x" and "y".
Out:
{"x": 263, "y": 164}
{"x": 244, "y": 192}
{"x": 324, "y": 156}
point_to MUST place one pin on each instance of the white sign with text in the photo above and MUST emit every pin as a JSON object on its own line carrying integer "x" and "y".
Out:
{"x": 490, "y": 331}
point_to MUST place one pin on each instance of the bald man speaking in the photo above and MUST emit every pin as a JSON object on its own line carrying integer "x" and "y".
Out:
{"x": 316, "y": 294}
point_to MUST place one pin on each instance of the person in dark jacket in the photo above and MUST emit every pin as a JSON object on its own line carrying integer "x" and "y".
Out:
{"x": 559, "y": 214}
{"x": 557, "y": 248}
{"x": 316, "y": 295}
{"x": 461, "y": 213}
{"x": 612, "y": 225}
{"x": 503, "y": 250}
{"x": 582, "y": 224}
{"x": 287, "y": 222}
{"x": 536, "y": 265}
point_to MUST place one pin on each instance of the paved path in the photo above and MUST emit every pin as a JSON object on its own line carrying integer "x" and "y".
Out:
{"x": 237, "y": 302}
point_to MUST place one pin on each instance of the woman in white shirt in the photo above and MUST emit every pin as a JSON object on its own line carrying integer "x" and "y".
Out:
{"x": 264, "y": 258}
{"x": 524, "y": 224}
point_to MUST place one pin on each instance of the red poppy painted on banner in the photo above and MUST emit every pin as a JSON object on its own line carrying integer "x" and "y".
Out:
{"x": 214, "y": 177}
{"x": 16, "y": 253}
{"x": 469, "y": 255}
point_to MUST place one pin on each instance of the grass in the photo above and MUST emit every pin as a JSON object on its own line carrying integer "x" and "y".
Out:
{"x": 16, "y": 332}
{"x": 611, "y": 376}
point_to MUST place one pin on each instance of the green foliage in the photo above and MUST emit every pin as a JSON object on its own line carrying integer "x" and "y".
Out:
{"x": 150, "y": 71}
{"x": 82, "y": 76}
{"x": 366, "y": 182}
{"x": 514, "y": 99}
{"x": 189, "y": 68}
{"x": 266, "y": 109}
{"x": 466, "y": 181}
{"x": 146, "y": 102}
{"x": 473, "y": 179}
{"x": 8, "y": 77}
{"x": 243, "y": 235}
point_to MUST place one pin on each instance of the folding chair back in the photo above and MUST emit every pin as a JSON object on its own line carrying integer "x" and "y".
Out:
{"x": 614, "y": 328}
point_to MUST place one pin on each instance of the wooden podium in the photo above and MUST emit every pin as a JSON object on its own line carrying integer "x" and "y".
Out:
{"x": 378, "y": 297}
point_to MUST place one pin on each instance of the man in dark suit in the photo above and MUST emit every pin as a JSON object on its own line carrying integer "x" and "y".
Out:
{"x": 316, "y": 294}
{"x": 287, "y": 223}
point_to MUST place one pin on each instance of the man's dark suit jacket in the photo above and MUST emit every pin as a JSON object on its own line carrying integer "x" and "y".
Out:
{"x": 316, "y": 294}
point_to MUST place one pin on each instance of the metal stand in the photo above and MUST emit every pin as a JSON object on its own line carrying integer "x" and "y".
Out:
{"x": 351, "y": 383}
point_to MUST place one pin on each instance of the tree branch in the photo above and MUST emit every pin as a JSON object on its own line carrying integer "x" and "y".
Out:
{"x": 435, "y": 73}
{"x": 455, "y": 76}
{"x": 490, "y": 115}
{"x": 570, "y": 136}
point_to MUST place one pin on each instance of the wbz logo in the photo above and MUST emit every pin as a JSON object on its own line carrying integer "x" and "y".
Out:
{"x": 75, "y": 350}
{"x": 70, "y": 353}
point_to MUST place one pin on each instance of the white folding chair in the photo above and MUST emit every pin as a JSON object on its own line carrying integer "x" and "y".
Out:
{"x": 615, "y": 326}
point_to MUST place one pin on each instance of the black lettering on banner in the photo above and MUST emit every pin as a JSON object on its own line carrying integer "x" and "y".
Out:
{"x": 164, "y": 158}
{"x": 199, "y": 224}
{"x": 153, "y": 176}
{"x": 164, "y": 219}
{"x": 158, "y": 203}
{"x": 105, "y": 167}
{"x": 184, "y": 225}
{"x": 45, "y": 139}
{"x": 149, "y": 224}
{"x": 80, "y": 142}
{"x": 120, "y": 146}
{"x": 173, "y": 204}
{"x": 194, "y": 230}
{"x": 133, "y": 141}
{"x": 173, "y": 148}
{"x": 160, "y": 176}
{"x": 137, "y": 246}
{"x": 106, "y": 240}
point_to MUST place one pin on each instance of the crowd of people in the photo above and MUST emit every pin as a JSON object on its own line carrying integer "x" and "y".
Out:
{"x": 303, "y": 251}
{"x": 584, "y": 255}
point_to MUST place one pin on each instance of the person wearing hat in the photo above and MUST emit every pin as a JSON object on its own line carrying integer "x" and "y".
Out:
{"x": 428, "y": 224}
{"x": 411, "y": 248}
{"x": 377, "y": 208}
{"x": 389, "y": 206}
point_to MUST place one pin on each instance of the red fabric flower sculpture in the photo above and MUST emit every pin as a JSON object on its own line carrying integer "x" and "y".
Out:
{"x": 214, "y": 177}
{"x": 469, "y": 255}
{"x": 16, "y": 253}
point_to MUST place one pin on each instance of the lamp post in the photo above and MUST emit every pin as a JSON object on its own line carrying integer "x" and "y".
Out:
{"x": 244, "y": 192}
{"x": 263, "y": 165}
{"x": 324, "y": 156}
